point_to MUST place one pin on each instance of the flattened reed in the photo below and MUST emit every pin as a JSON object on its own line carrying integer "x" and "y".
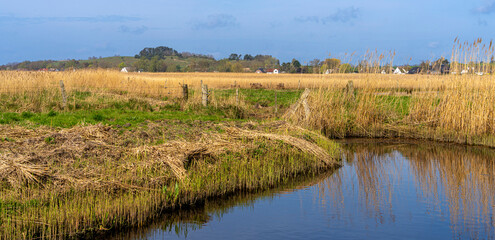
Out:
{"x": 88, "y": 179}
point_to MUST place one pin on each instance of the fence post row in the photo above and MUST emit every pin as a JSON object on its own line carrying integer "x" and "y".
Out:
{"x": 204, "y": 91}
{"x": 64, "y": 95}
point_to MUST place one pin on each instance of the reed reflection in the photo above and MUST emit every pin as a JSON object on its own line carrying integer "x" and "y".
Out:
{"x": 456, "y": 182}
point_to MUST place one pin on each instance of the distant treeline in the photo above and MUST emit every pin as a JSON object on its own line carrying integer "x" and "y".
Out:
{"x": 165, "y": 59}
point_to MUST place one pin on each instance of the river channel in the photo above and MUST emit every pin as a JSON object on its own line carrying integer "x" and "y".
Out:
{"x": 387, "y": 189}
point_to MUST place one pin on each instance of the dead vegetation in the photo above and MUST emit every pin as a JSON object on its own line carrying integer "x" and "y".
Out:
{"x": 27, "y": 159}
{"x": 51, "y": 176}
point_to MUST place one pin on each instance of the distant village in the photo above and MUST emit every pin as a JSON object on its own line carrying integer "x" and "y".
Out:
{"x": 164, "y": 59}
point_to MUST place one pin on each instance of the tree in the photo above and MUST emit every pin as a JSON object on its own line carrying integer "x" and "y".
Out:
{"x": 122, "y": 65}
{"x": 161, "y": 52}
{"x": 235, "y": 57}
{"x": 72, "y": 63}
{"x": 315, "y": 64}
{"x": 285, "y": 67}
{"x": 424, "y": 66}
{"x": 236, "y": 67}
{"x": 248, "y": 57}
{"x": 142, "y": 64}
{"x": 346, "y": 68}
{"x": 332, "y": 63}
{"x": 296, "y": 63}
{"x": 295, "y": 66}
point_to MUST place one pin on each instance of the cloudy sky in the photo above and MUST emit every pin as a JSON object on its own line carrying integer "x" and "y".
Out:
{"x": 415, "y": 29}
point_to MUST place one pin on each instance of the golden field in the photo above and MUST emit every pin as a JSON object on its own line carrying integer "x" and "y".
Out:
{"x": 154, "y": 84}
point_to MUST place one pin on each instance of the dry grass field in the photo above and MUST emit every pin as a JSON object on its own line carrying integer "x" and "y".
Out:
{"x": 153, "y": 84}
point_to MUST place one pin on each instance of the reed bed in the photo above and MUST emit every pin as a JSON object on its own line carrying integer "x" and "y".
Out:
{"x": 462, "y": 112}
{"x": 452, "y": 107}
{"x": 83, "y": 181}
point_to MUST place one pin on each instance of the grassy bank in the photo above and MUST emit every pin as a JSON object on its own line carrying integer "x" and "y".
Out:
{"x": 87, "y": 179}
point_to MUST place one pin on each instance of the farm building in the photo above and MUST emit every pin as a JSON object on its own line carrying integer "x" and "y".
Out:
{"x": 415, "y": 70}
{"x": 272, "y": 71}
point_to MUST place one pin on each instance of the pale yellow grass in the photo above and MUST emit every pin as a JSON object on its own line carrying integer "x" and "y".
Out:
{"x": 168, "y": 84}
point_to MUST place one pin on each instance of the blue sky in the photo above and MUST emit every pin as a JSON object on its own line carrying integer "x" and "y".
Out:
{"x": 417, "y": 30}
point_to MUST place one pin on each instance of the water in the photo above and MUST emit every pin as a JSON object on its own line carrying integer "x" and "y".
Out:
{"x": 385, "y": 190}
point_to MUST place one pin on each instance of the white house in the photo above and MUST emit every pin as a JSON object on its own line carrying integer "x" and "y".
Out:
{"x": 272, "y": 71}
{"x": 125, "y": 70}
{"x": 398, "y": 71}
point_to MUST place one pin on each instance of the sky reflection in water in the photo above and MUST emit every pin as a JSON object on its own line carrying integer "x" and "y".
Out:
{"x": 385, "y": 190}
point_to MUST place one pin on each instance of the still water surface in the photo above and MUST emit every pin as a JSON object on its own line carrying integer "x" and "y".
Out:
{"x": 385, "y": 190}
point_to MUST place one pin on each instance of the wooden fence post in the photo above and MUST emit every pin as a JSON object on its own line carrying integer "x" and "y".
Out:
{"x": 299, "y": 84}
{"x": 237, "y": 96}
{"x": 302, "y": 101}
{"x": 276, "y": 105}
{"x": 64, "y": 95}
{"x": 349, "y": 89}
{"x": 204, "y": 91}
{"x": 185, "y": 92}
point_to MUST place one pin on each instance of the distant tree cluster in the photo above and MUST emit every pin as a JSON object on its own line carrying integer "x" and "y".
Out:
{"x": 292, "y": 67}
{"x": 159, "y": 52}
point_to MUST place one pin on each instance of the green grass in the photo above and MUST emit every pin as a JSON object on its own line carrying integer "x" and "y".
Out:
{"x": 398, "y": 104}
{"x": 109, "y": 116}
{"x": 264, "y": 97}
{"x": 86, "y": 108}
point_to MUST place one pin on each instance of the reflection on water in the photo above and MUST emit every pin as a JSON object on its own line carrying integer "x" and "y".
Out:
{"x": 453, "y": 182}
{"x": 178, "y": 224}
{"x": 390, "y": 190}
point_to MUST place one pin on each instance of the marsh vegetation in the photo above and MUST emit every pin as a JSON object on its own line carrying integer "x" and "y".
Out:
{"x": 115, "y": 150}
{"x": 386, "y": 189}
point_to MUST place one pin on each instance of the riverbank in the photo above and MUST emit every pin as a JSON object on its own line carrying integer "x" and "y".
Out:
{"x": 84, "y": 180}
{"x": 462, "y": 113}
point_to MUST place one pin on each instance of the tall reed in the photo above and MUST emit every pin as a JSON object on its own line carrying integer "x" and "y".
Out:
{"x": 453, "y": 107}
